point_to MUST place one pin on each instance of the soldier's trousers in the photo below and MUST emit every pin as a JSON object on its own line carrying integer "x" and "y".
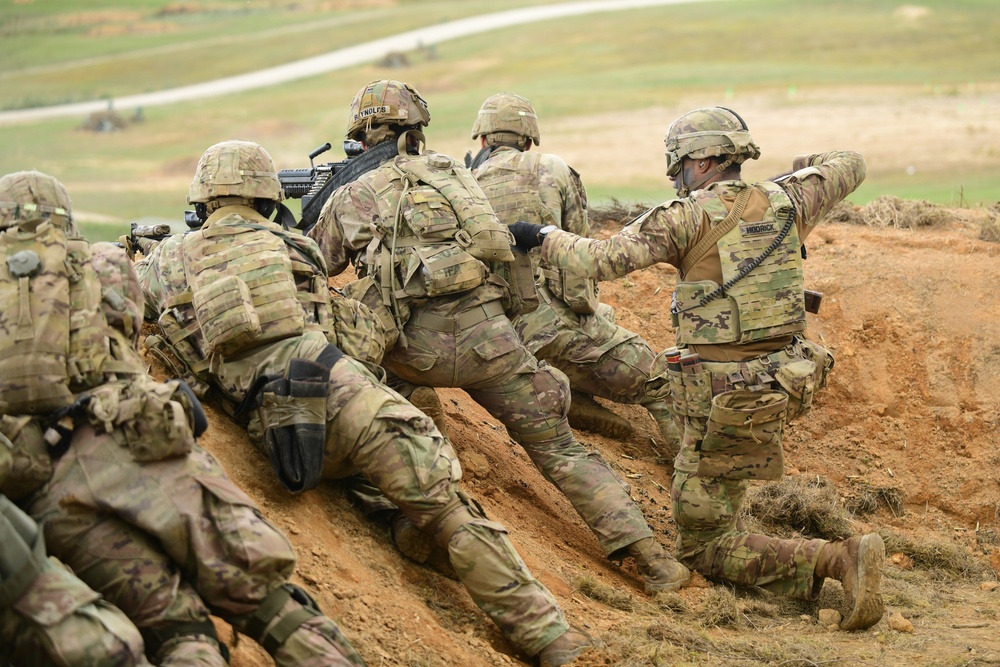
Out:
{"x": 375, "y": 431}
{"x": 488, "y": 360}
{"x": 56, "y": 620}
{"x": 168, "y": 542}
{"x": 599, "y": 357}
{"x": 709, "y": 540}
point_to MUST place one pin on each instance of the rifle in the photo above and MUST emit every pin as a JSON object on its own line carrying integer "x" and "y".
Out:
{"x": 313, "y": 185}
{"x": 145, "y": 238}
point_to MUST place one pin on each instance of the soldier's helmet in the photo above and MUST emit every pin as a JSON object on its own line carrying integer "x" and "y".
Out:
{"x": 709, "y": 132}
{"x": 234, "y": 169}
{"x": 28, "y": 198}
{"x": 507, "y": 113}
{"x": 386, "y": 102}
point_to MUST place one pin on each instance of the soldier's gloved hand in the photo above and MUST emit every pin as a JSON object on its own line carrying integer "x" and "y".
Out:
{"x": 525, "y": 235}
{"x": 126, "y": 243}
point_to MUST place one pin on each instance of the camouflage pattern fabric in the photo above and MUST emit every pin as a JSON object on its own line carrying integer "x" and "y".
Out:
{"x": 374, "y": 431}
{"x": 598, "y": 357}
{"x": 667, "y": 232}
{"x": 122, "y": 296}
{"x": 706, "y": 509}
{"x": 54, "y": 618}
{"x": 489, "y": 361}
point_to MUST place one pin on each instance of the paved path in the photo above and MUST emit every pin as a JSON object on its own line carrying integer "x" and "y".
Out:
{"x": 339, "y": 59}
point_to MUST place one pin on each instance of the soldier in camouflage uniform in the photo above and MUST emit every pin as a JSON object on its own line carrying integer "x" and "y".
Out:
{"x": 570, "y": 328}
{"x": 48, "y": 617}
{"x": 428, "y": 245}
{"x": 106, "y": 459}
{"x": 323, "y": 413}
{"x": 742, "y": 368}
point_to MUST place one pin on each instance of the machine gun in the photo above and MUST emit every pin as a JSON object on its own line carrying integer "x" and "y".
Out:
{"x": 314, "y": 185}
{"x": 144, "y": 238}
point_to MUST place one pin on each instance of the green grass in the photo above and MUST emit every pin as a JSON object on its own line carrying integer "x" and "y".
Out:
{"x": 603, "y": 63}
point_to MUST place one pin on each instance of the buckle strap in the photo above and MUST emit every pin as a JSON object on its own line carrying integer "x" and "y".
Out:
{"x": 465, "y": 320}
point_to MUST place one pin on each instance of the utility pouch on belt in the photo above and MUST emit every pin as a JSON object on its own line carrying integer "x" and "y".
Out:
{"x": 578, "y": 292}
{"x": 520, "y": 278}
{"x": 743, "y": 438}
{"x": 293, "y": 416}
{"x": 356, "y": 329}
{"x": 798, "y": 378}
{"x": 158, "y": 419}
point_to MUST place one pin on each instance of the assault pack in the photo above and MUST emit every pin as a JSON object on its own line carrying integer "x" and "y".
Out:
{"x": 436, "y": 233}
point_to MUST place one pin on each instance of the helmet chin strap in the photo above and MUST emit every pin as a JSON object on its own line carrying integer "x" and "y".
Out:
{"x": 686, "y": 189}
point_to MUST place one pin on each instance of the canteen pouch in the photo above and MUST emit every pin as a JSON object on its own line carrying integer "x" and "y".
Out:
{"x": 743, "y": 436}
{"x": 226, "y": 314}
{"x": 158, "y": 420}
{"x": 798, "y": 379}
{"x": 356, "y": 330}
{"x": 293, "y": 415}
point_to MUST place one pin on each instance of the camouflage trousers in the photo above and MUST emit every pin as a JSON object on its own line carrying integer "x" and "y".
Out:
{"x": 598, "y": 357}
{"x": 170, "y": 542}
{"x": 488, "y": 360}
{"x": 710, "y": 538}
{"x": 56, "y": 620}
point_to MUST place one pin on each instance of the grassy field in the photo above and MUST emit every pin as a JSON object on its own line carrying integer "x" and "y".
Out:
{"x": 605, "y": 85}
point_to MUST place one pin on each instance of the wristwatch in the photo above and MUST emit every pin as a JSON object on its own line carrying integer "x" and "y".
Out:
{"x": 545, "y": 231}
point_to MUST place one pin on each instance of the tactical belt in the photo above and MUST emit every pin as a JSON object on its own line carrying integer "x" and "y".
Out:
{"x": 465, "y": 320}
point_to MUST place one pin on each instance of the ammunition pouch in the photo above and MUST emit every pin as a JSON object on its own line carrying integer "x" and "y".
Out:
{"x": 518, "y": 280}
{"x": 292, "y": 412}
{"x": 580, "y": 293}
{"x": 159, "y": 420}
{"x": 743, "y": 436}
{"x": 366, "y": 291}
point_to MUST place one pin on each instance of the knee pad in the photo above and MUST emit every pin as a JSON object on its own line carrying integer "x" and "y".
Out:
{"x": 460, "y": 511}
{"x": 270, "y": 608}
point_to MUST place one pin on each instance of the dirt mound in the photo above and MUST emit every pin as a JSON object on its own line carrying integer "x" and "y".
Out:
{"x": 902, "y": 442}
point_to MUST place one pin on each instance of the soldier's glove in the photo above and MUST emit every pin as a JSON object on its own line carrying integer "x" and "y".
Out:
{"x": 525, "y": 236}
{"x": 128, "y": 244}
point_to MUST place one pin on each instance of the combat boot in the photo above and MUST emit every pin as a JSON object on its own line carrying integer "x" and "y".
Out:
{"x": 857, "y": 564}
{"x": 427, "y": 401}
{"x": 660, "y": 571}
{"x": 566, "y": 648}
{"x": 586, "y": 414}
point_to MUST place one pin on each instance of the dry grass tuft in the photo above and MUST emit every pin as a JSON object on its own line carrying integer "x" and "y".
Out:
{"x": 940, "y": 557}
{"x": 890, "y": 211}
{"x": 846, "y": 212}
{"x": 989, "y": 229}
{"x": 807, "y": 506}
{"x": 614, "y": 214}
{"x": 867, "y": 499}
{"x": 604, "y": 594}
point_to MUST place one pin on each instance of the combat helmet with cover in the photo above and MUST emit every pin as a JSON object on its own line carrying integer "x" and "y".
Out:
{"x": 708, "y": 132}
{"x": 383, "y": 104}
{"x": 507, "y": 118}
{"x": 28, "y": 198}
{"x": 234, "y": 169}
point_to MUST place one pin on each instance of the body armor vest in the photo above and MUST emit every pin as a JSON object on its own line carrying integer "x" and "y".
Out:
{"x": 234, "y": 289}
{"x": 55, "y": 342}
{"x": 436, "y": 230}
{"x": 767, "y": 302}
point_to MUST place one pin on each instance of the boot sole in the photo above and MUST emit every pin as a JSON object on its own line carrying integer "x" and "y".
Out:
{"x": 868, "y": 606}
